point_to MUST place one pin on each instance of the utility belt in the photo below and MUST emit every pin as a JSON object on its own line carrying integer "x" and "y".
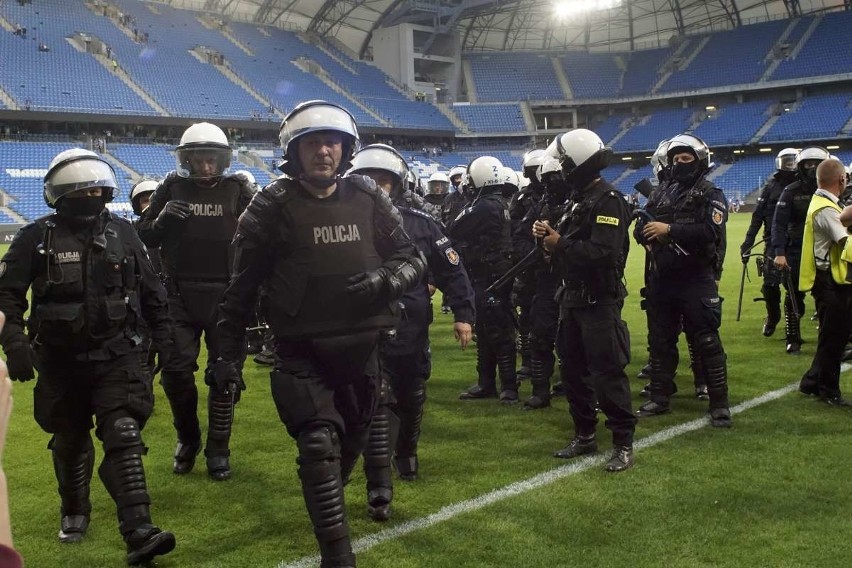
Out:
{"x": 122, "y": 344}
{"x": 574, "y": 292}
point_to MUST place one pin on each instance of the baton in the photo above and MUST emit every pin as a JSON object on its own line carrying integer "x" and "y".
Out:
{"x": 742, "y": 289}
{"x": 791, "y": 292}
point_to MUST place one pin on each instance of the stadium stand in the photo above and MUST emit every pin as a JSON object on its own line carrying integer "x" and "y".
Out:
{"x": 642, "y": 70}
{"x": 746, "y": 175}
{"x": 815, "y": 117}
{"x": 733, "y": 124}
{"x": 63, "y": 78}
{"x": 653, "y": 128}
{"x": 732, "y": 57}
{"x": 592, "y": 75}
{"x": 611, "y": 126}
{"x": 504, "y": 77}
{"x": 492, "y": 118}
{"x": 823, "y": 53}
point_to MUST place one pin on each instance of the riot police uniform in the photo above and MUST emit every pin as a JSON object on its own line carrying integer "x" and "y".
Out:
{"x": 192, "y": 218}
{"x": 482, "y": 234}
{"x": 91, "y": 282}
{"x": 688, "y": 214}
{"x": 593, "y": 340}
{"x": 334, "y": 268}
{"x": 762, "y": 217}
{"x": 788, "y": 226}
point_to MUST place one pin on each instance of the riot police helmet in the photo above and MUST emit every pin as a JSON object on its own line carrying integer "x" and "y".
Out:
{"x": 486, "y": 173}
{"x": 524, "y": 181}
{"x": 140, "y": 190}
{"x": 531, "y": 161}
{"x": 203, "y": 153}
{"x": 456, "y": 174}
{"x": 379, "y": 161}
{"x": 582, "y": 155}
{"x": 690, "y": 144}
{"x": 438, "y": 184}
{"x": 785, "y": 161}
{"x": 550, "y": 172}
{"x": 660, "y": 160}
{"x": 807, "y": 161}
{"x": 313, "y": 117}
{"x": 77, "y": 169}
{"x": 511, "y": 181}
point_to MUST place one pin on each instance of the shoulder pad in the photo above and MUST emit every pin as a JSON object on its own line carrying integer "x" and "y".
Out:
{"x": 415, "y": 212}
{"x": 363, "y": 183}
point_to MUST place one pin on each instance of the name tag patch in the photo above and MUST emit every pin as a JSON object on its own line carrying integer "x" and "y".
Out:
{"x": 604, "y": 220}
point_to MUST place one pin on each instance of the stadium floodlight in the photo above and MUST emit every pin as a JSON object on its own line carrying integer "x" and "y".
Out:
{"x": 567, "y": 8}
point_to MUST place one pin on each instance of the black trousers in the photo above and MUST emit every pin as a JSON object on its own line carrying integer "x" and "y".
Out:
{"x": 594, "y": 345}
{"x": 835, "y": 307}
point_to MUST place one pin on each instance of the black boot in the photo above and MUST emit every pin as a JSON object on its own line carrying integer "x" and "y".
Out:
{"x": 542, "y": 368}
{"x": 182, "y": 393}
{"x": 661, "y": 388}
{"x": 579, "y": 445}
{"x": 486, "y": 386}
{"x": 772, "y": 297}
{"x": 698, "y": 374}
{"x": 124, "y": 478}
{"x": 220, "y": 417}
{"x": 410, "y": 411}
{"x": 377, "y": 462}
{"x": 73, "y": 464}
{"x": 322, "y": 488}
{"x": 525, "y": 372}
{"x": 508, "y": 377}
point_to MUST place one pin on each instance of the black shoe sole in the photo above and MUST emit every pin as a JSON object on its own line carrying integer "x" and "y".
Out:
{"x": 159, "y": 544}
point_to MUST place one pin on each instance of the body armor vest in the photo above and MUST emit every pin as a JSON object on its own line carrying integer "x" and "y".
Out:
{"x": 489, "y": 255}
{"x": 329, "y": 240}
{"x": 594, "y": 282}
{"x": 800, "y": 199}
{"x": 685, "y": 207}
{"x": 203, "y": 253}
{"x": 84, "y": 293}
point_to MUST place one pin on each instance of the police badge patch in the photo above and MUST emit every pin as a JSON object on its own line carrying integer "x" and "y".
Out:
{"x": 718, "y": 216}
{"x": 452, "y": 256}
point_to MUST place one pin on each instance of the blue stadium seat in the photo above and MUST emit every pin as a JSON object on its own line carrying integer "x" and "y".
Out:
{"x": 492, "y": 117}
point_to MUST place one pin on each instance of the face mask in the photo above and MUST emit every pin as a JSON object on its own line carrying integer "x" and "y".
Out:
{"x": 810, "y": 174}
{"x": 81, "y": 208}
{"x": 684, "y": 172}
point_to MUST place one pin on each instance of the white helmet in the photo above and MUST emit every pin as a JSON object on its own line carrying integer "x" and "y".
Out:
{"x": 549, "y": 169}
{"x": 511, "y": 178}
{"x": 582, "y": 155}
{"x": 692, "y": 144}
{"x": 532, "y": 160}
{"x": 438, "y": 184}
{"x": 660, "y": 159}
{"x": 381, "y": 157}
{"x": 247, "y": 175}
{"x": 523, "y": 180}
{"x": 203, "y": 141}
{"x": 316, "y": 116}
{"x": 485, "y": 171}
{"x": 457, "y": 171}
{"x": 76, "y": 169}
{"x": 140, "y": 188}
{"x": 786, "y": 160}
{"x": 812, "y": 153}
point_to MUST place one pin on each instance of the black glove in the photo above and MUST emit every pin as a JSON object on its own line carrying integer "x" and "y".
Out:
{"x": 745, "y": 249}
{"x": 367, "y": 286}
{"x": 173, "y": 214}
{"x": 226, "y": 377}
{"x": 158, "y": 355}
{"x": 19, "y": 360}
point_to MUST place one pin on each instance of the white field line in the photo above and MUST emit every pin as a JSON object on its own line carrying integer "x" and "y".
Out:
{"x": 546, "y": 478}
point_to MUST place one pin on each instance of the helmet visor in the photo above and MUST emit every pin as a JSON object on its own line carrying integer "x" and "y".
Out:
{"x": 76, "y": 175}
{"x": 202, "y": 162}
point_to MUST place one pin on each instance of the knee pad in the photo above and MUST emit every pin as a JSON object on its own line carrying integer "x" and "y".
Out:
{"x": 709, "y": 346}
{"x": 123, "y": 435}
{"x": 69, "y": 445}
{"x": 318, "y": 445}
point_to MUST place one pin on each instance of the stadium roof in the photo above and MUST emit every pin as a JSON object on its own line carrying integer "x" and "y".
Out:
{"x": 520, "y": 24}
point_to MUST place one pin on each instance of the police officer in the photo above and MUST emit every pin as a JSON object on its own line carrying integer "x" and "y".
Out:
{"x": 192, "y": 219}
{"x": 459, "y": 196}
{"x": 788, "y": 226}
{"x": 523, "y": 288}
{"x": 482, "y": 232}
{"x": 785, "y": 173}
{"x": 335, "y": 260}
{"x": 590, "y": 250}
{"x": 405, "y": 355}
{"x": 824, "y": 266}
{"x": 140, "y": 199}
{"x": 437, "y": 189}
{"x": 544, "y": 311}
{"x": 682, "y": 232}
{"x": 91, "y": 281}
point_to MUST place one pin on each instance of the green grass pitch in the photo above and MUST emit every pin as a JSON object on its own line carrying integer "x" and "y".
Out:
{"x": 772, "y": 491}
